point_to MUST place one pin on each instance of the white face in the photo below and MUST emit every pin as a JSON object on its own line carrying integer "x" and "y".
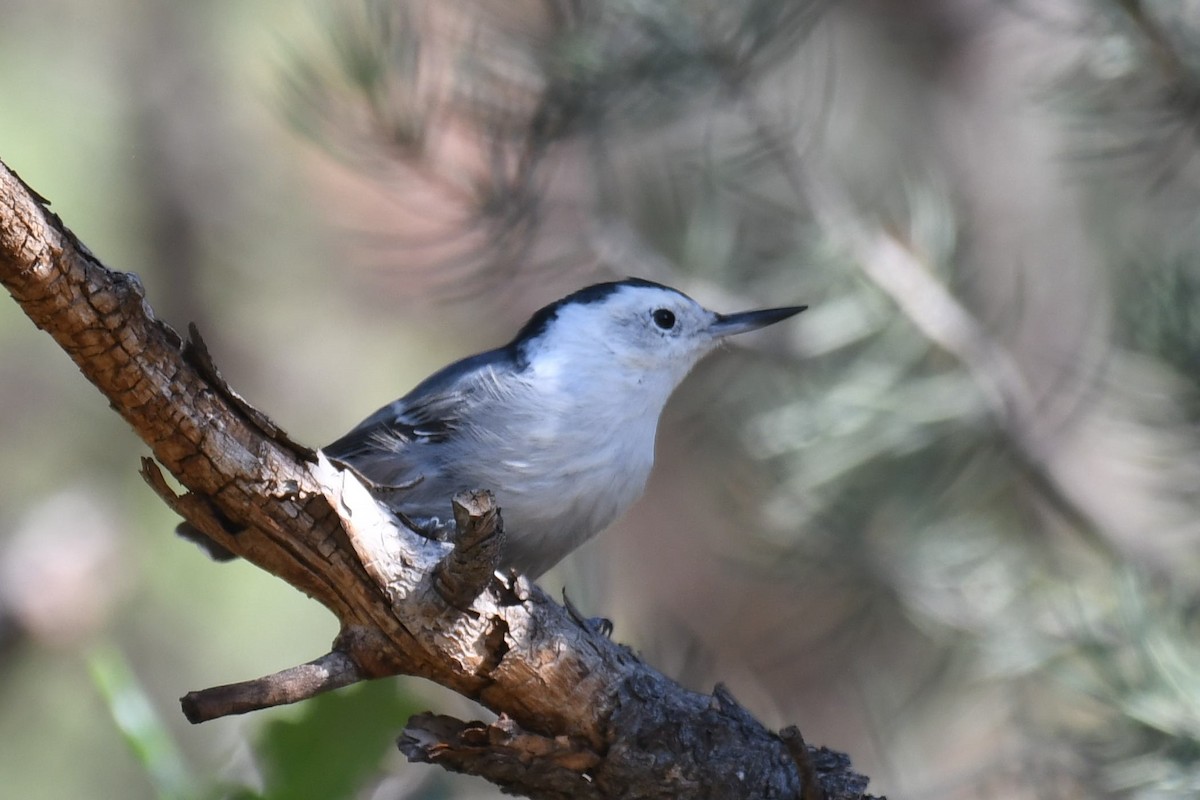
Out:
{"x": 643, "y": 338}
{"x": 640, "y": 328}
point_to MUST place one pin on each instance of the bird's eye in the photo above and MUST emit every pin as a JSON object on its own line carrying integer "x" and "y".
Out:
{"x": 663, "y": 318}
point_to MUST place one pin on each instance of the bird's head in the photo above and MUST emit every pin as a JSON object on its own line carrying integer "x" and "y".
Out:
{"x": 631, "y": 331}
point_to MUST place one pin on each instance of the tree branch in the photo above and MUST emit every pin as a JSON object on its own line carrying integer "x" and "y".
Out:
{"x": 581, "y": 715}
{"x": 330, "y": 671}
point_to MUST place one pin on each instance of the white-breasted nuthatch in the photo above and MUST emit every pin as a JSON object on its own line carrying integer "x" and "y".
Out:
{"x": 559, "y": 423}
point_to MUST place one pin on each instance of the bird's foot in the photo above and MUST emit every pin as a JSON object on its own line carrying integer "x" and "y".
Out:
{"x": 598, "y": 625}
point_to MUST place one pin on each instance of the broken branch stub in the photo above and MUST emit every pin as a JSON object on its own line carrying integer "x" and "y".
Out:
{"x": 461, "y": 575}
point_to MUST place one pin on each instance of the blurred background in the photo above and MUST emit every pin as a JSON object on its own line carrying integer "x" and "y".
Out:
{"x": 946, "y": 521}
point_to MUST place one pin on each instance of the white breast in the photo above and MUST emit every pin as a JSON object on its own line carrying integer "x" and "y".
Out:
{"x": 571, "y": 463}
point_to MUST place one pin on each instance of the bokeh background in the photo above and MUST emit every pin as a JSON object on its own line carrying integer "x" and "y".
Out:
{"x": 946, "y": 521}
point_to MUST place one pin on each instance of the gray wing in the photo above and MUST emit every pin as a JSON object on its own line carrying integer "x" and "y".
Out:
{"x": 406, "y": 441}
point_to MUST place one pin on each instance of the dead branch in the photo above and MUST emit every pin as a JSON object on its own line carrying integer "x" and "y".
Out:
{"x": 580, "y": 715}
{"x": 330, "y": 671}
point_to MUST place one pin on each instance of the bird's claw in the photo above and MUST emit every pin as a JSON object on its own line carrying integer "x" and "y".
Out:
{"x": 598, "y": 625}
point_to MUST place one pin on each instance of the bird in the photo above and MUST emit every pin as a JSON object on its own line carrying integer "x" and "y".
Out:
{"x": 559, "y": 423}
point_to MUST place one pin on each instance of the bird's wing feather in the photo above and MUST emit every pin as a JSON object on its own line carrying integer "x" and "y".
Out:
{"x": 385, "y": 445}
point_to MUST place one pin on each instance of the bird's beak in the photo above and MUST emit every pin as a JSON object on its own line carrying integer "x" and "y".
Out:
{"x": 729, "y": 324}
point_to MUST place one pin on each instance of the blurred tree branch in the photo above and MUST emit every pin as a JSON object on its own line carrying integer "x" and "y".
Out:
{"x": 580, "y": 716}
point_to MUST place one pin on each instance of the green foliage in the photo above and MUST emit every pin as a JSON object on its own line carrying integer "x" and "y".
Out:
{"x": 139, "y": 724}
{"x": 355, "y": 90}
{"x": 335, "y": 742}
{"x": 1139, "y": 662}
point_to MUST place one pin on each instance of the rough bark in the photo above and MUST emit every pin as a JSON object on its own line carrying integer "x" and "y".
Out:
{"x": 580, "y": 716}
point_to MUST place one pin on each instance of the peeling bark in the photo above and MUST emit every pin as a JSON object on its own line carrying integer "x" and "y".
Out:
{"x": 581, "y": 716}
